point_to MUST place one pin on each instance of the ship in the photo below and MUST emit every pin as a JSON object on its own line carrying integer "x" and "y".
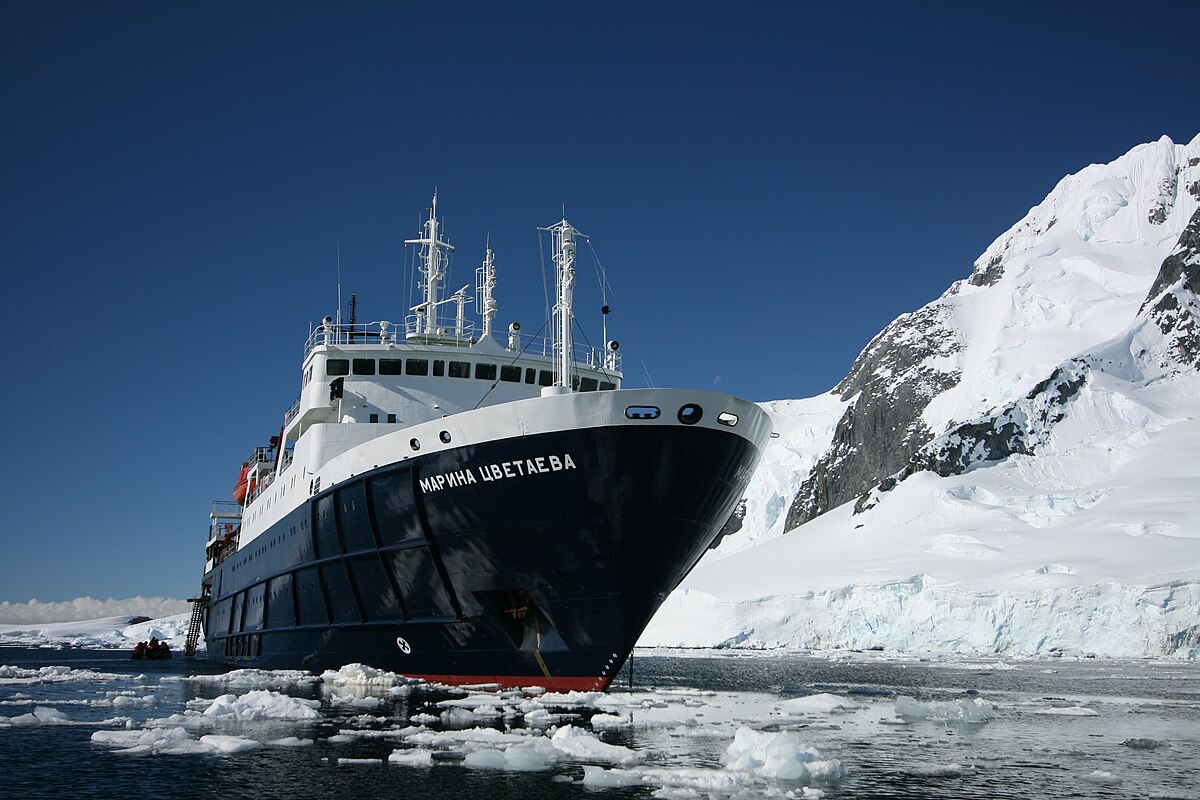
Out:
{"x": 466, "y": 507}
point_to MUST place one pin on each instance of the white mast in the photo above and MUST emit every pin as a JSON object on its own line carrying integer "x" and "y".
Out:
{"x": 433, "y": 269}
{"x": 485, "y": 281}
{"x": 460, "y": 322}
{"x": 563, "y": 236}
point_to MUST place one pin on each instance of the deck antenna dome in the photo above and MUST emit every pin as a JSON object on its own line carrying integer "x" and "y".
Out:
{"x": 485, "y": 282}
{"x": 433, "y": 270}
{"x": 563, "y": 236}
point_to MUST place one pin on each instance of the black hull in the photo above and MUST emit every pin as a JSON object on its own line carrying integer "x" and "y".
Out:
{"x": 532, "y": 560}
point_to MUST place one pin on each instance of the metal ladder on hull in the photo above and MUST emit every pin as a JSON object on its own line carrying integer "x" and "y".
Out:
{"x": 197, "y": 623}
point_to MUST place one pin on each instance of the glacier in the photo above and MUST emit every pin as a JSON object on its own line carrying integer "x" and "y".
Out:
{"x": 1041, "y": 492}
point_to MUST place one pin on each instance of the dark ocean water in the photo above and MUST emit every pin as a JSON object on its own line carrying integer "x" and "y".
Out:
{"x": 1139, "y": 737}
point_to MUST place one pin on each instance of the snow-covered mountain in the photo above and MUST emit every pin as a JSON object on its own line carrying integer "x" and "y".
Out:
{"x": 1014, "y": 467}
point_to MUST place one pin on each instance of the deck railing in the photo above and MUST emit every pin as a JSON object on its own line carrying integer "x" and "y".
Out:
{"x": 408, "y": 337}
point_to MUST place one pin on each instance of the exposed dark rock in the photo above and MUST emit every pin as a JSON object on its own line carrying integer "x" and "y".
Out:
{"x": 889, "y": 386}
{"x": 1194, "y": 189}
{"x": 990, "y": 273}
{"x": 1017, "y": 429}
{"x": 1165, "y": 201}
{"x": 1184, "y": 262}
{"x": 1177, "y": 313}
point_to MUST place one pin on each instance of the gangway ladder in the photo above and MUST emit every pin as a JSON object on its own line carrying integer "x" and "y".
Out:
{"x": 197, "y": 623}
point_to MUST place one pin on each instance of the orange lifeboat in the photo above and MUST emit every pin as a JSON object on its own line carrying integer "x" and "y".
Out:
{"x": 244, "y": 485}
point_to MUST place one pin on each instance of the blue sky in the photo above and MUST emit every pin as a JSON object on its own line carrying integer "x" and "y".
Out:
{"x": 766, "y": 184}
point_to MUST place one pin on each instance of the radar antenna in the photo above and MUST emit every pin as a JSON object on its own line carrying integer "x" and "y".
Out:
{"x": 433, "y": 270}
{"x": 563, "y": 237}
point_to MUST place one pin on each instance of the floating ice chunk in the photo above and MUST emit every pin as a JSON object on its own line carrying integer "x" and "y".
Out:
{"x": 365, "y": 677}
{"x": 1101, "y": 777}
{"x": 570, "y": 699}
{"x": 411, "y": 757}
{"x": 541, "y": 718}
{"x": 941, "y": 770}
{"x": 356, "y": 702}
{"x": 1145, "y": 744}
{"x": 953, "y": 711}
{"x": 423, "y": 719}
{"x": 479, "y": 737}
{"x": 173, "y": 741}
{"x": 819, "y": 704}
{"x": 601, "y": 722}
{"x": 11, "y": 675}
{"x": 41, "y": 715}
{"x": 778, "y": 755}
{"x": 531, "y": 756}
{"x": 229, "y": 744}
{"x": 684, "y": 782}
{"x": 601, "y": 778}
{"x": 458, "y": 717}
{"x": 1068, "y": 711}
{"x": 289, "y": 741}
{"x": 277, "y": 679}
{"x": 262, "y": 704}
{"x": 696, "y": 731}
{"x": 583, "y": 744}
{"x": 128, "y": 700}
{"x": 356, "y": 761}
{"x": 478, "y": 701}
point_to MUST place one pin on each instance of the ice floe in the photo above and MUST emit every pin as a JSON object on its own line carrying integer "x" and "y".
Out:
{"x": 964, "y": 710}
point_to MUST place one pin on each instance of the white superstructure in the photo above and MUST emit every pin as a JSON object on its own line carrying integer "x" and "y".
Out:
{"x": 402, "y": 389}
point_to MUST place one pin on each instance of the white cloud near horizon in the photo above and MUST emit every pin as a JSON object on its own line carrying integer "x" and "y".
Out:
{"x": 82, "y": 608}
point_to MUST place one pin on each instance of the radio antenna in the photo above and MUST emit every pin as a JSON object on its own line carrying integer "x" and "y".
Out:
{"x": 339, "y": 277}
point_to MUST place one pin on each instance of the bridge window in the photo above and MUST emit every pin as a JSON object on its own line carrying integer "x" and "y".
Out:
{"x": 390, "y": 366}
{"x": 460, "y": 369}
{"x": 439, "y": 368}
{"x": 545, "y": 378}
{"x": 364, "y": 366}
{"x": 605, "y": 386}
{"x": 587, "y": 384}
{"x": 485, "y": 372}
{"x": 510, "y": 373}
{"x": 530, "y": 375}
{"x": 416, "y": 366}
{"x": 337, "y": 366}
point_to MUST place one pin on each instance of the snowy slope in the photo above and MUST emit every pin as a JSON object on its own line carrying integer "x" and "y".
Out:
{"x": 1071, "y": 274}
{"x": 104, "y": 633}
{"x": 1054, "y": 503}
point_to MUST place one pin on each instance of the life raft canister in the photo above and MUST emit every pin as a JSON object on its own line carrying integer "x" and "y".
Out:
{"x": 244, "y": 486}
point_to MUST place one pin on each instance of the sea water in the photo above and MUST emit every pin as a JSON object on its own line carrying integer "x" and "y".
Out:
{"x": 80, "y": 723}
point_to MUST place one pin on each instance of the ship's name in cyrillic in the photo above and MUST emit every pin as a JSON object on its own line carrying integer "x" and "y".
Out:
{"x": 520, "y": 468}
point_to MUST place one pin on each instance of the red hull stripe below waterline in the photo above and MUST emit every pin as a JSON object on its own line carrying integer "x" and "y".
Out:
{"x": 562, "y": 684}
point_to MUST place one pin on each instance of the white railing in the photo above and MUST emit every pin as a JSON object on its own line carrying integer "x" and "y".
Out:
{"x": 407, "y": 337}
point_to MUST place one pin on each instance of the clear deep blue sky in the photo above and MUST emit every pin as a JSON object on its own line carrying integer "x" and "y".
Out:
{"x": 767, "y": 185}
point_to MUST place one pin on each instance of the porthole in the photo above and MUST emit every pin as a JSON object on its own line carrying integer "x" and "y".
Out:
{"x": 690, "y": 414}
{"x": 642, "y": 412}
{"x": 725, "y": 418}
{"x": 445, "y": 437}
{"x": 415, "y": 444}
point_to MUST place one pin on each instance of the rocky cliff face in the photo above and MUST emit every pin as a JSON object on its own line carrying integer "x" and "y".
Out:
{"x": 976, "y": 374}
{"x": 891, "y": 383}
{"x": 1163, "y": 341}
